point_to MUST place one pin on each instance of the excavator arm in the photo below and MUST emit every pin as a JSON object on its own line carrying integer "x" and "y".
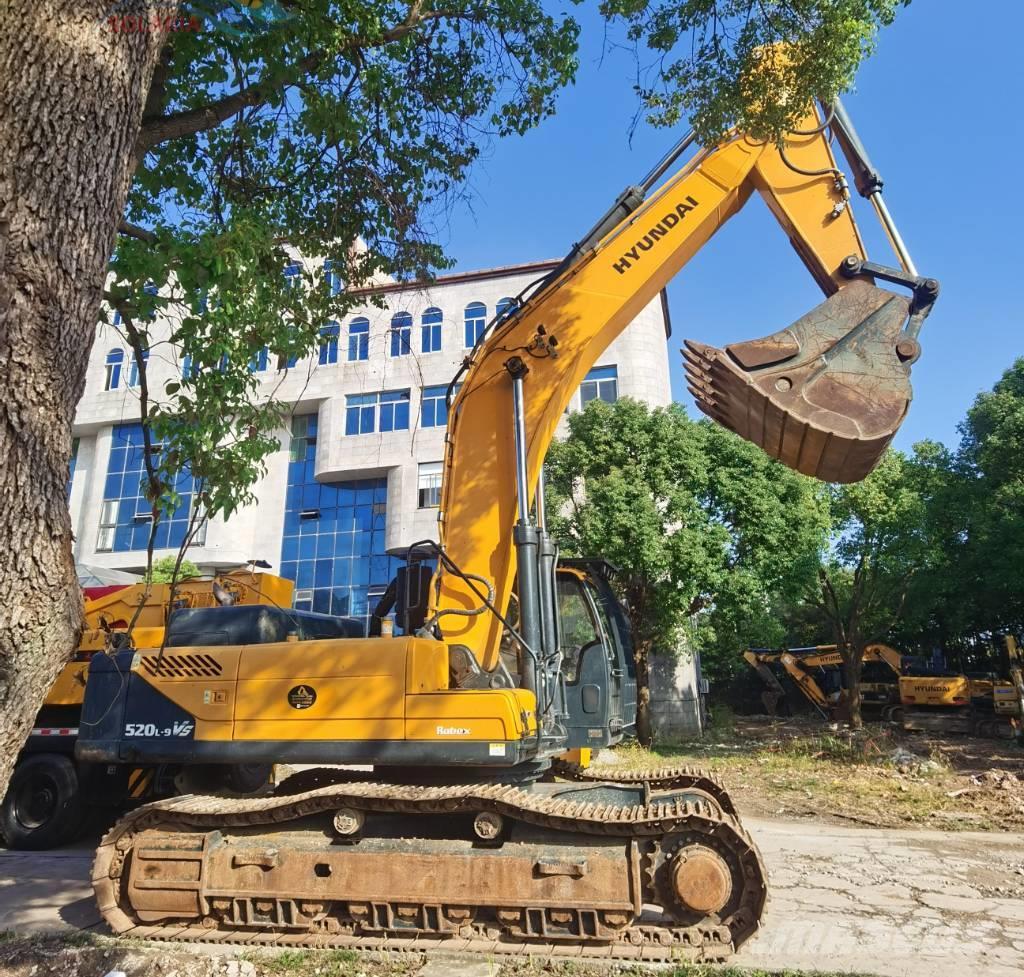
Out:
{"x": 825, "y": 395}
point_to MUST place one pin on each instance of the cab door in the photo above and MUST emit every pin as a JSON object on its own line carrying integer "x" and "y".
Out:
{"x": 622, "y": 664}
{"x": 590, "y": 687}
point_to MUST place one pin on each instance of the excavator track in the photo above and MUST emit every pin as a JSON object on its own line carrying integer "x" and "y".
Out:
{"x": 552, "y": 872}
{"x": 661, "y": 778}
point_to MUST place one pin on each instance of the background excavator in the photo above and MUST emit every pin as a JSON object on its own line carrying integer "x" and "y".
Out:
{"x": 897, "y": 688}
{"x": 52, "y": 794}
{"x": 481, "y": 824}
{"x": 817, "y": 672}
{"x": 976, "y": 703}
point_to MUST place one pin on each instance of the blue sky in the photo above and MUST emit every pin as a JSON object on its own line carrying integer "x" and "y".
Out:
{"x": 936, "y": 107}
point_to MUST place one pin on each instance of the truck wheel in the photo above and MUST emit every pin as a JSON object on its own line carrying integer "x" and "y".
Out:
{"x": 43, "y": 806}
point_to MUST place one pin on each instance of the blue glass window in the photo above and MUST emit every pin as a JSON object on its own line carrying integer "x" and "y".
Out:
{"x": 431, "y": 330}
{"x": 394, "y": 410}
{"x": 401, "y": 334}
{"x": 333, "y": 545}
{"x": 126, "y": 514}
{"x": 332, "y": 277}
{"x": 504, "y": 307}
{"x": 476, "y": 320}
{"x": 133, "y": 373}
{"x": 359, "y": 339}
{"x": 258, "y": 361}
{"x": 433, "y": 409}
{"x": 329, "y": 344}
{"x": 384, "y": 411}
{"x": 150, "y": 289}
{"x": 292, "y": 274}
{"x": 115, "y": 360}
{"x": 602, "y": 383}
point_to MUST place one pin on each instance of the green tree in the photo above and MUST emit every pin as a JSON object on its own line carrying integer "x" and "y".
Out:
{"x": 320, "y": 124}
{"x": 970, "y": 590}
{"x": 702, "y": 525}
{"x": 724, "y": 63}
{"x": 878, "y": 543}
{"x": 167, "y": 570}
{"x": 991, "y": 458}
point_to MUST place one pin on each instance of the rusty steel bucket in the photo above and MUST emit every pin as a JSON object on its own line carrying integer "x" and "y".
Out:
{"x": 824, "y": 396}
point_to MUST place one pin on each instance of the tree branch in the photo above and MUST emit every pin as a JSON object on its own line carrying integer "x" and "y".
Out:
{"x": 161, "y": 128}
{"x": 139, "y": 233}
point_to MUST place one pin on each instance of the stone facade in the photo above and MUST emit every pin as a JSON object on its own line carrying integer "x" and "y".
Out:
{"x": 639, "y": 356}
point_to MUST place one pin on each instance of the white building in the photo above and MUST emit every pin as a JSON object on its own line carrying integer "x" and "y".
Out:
{"x": 358, "y": 472}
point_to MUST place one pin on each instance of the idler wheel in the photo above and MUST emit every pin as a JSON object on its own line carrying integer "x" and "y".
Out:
{"x": 701, "y": 879}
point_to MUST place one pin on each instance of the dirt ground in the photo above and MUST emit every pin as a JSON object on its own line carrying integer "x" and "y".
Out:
{"x": 99, "y": 957}
{"x": 883, "y": 776}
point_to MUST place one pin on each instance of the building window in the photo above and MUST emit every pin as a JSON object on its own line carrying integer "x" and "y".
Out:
{"x": 292, "y": 274}
{"x": 150, "y": 289}
{"x": 602, "y": 383}
{"x": 401, "y": 334}
{"x": 201, "y": 522}
{"x": 504, "y": 307}
{"x": 359, "y": 339}
{"x": 476, "y": 320}
{"x": 431, "y": 330}
{"x": 115, "y": 360}
{"x": 384, "y": 411}
{"x": 259, "y": 360}
{"x": 334, "y": 534}
{"x": 429, "y": 485}
{"x": 108, "y": 524}
{"x": 329, "y": 344}
{"x": 303, "y": 436}
{"x": 332, "y": 277}
{"x": 126, "y": 515}
{"x": 133, "y": 373}
{"x": 433, "y": 407}
{"x": 72, "y": 464}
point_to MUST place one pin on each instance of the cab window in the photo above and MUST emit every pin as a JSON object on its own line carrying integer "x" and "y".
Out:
{"x": 577, "y": 626}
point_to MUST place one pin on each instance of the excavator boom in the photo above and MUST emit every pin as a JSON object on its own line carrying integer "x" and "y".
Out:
{"x": 825, "y": 396}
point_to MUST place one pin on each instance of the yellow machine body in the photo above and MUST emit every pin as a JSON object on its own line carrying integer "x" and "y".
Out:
{"x": 380, "y": 690}
{"x": 113, "y": 612}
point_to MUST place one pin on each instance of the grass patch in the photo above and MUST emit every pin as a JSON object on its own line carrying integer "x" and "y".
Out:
{"x": 528, "y": 968}
{"x": 874, "y": 776}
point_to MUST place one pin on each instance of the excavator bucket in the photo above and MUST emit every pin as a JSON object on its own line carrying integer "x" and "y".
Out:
{"x": 824, "y": 396}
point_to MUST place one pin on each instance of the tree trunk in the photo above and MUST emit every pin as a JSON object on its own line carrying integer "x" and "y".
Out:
{"x": 71, "y": 97}
{"x": 644, "y": 726}
{"x": 853, "y": 659}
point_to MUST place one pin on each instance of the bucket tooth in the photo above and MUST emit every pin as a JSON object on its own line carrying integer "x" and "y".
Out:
{"x": 824, "y": 396}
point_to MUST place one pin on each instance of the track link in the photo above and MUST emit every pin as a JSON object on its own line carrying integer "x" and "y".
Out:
{"x": 661, "y": 778}
{"x": 658, "y": 835}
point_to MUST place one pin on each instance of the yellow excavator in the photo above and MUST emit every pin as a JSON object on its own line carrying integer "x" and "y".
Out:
{"x": 879, "y": 687}
{"x": 481, "y": 826}
{"x": 976, "y": 705}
